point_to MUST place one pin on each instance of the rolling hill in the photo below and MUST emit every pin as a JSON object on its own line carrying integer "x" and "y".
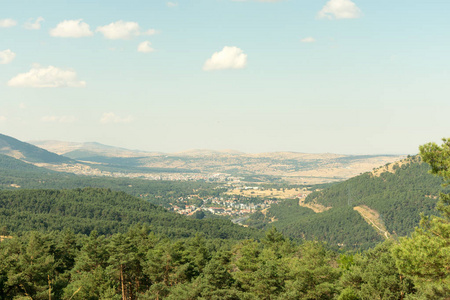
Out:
{"x": 291, "y": 167}
{"x": 28, "y": 152}
{"x": 91, "y": 160}
{"x": 103, "y": 210}
{"x": 16, "y": 174}
{"x": 361, "y": 211}
{"x": 357, "y": 213}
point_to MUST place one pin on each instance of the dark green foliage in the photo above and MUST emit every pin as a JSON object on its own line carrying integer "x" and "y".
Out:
{"x": 288, "y": 211}
{"x": 106, "y": 211}
{"x": 136, "y": 250}
{"x": 399, "y": 197}
{"x": 257, "y": 220}
{"x": 341, "y": 227}
{"x": 139, "y": 265}
{"x": 373, "y": 275}
{"x": 425, "y": 256}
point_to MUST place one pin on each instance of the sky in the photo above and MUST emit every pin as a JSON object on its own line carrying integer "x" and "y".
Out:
{"x": 314, "y": 76}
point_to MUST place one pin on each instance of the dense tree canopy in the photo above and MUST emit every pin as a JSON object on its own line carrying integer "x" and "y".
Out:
{"x": 425, "y": 256}
{"x": 138, "y": 264}
{"x": 96, "y": 243}
{"x": 103, "y": 210}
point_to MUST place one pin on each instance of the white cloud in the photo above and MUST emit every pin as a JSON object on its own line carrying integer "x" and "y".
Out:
{"x": 308, "y": 40}
{"x": 34, "y": 25}
{"x": 22, "y": 106}
{"x": 47, "y": 77}
{"x": 111, "y": 117}
{"x": 6, "y": 56}
{"x": 145, "y": 47}
{"x": 340, "y": 9}
{"x": 2, "y": 119}
{"x": 172, "y": 4}
{"x": 228, "y": 58}
{"x": 59, "y": 119}
{"x": 121, "y": 30}
{"x": 5, "y": 23}
{"x": 71, "y": 29}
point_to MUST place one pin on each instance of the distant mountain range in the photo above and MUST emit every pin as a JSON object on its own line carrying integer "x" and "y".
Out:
{"x": 77, "y": 150}
{"x": 357, "y": 213}
{"x": 290, "y": 167}
{"x": 102, "y": 160}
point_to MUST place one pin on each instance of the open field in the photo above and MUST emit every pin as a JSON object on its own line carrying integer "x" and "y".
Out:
{"x": 373, "y": 218}
{"x": 271, "y": 193}
{"x": 289, "y": 167}
{"x": 316, "y": 207}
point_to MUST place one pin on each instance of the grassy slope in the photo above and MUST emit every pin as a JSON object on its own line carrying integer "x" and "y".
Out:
{"x": 30, "y": 152}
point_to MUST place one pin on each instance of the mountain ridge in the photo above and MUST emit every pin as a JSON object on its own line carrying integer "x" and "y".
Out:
{"x": 383, "y": 203}
{"x": 287, "y": 166}
{"x": 27, "y": 152}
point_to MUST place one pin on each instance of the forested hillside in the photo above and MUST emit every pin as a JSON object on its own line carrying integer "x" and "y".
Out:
{"x": 146, "y": 252}
{"x": 399, "y": 197}
{"x": 399, "y": 192}
{"x": 105, "y": 211}
{"x": 341, "y": 227}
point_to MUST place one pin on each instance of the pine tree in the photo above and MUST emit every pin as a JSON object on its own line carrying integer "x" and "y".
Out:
{"x": 426, "y": 255}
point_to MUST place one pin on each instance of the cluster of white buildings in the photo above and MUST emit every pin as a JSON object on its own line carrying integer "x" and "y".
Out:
{"x": 220, "y": 206}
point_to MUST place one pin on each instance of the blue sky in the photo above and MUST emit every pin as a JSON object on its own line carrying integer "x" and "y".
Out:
{"x": 340, "y": 76}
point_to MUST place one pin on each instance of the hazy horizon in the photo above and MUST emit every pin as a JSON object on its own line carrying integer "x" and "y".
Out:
{"x": 204, "y": 149}
{"x": 351, "y": 77}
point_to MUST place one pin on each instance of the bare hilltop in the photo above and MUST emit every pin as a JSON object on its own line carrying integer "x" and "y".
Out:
{"x": 292, "y": 167}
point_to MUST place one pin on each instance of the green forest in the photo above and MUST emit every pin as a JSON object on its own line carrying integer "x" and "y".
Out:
{"x": 99, "y": 243}
{"x": 400, "y": 197}
{"x": 105, "y": 211}
{"x": 139, "y": 264}
{"x": 341, "y": 227}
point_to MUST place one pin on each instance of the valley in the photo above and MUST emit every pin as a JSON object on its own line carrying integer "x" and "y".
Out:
{"x": 228, "y": 165}
{"x": 194, "y": 184}
{"x": 224, "y": 150}
{"x": 184, "y": 221}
